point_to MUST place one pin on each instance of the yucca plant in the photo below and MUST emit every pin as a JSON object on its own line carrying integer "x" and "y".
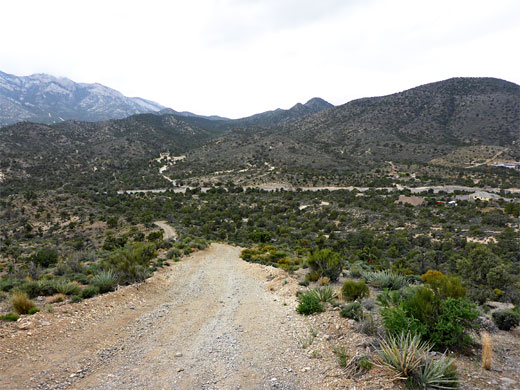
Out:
{"x": 67, "y": 288}
{"x": 385, "y": 279}
{"x": 105, "y": 281}
{"x": 436, "y": 374}
{"x": 325, "y": 294}
{"x": 403, "y": 353}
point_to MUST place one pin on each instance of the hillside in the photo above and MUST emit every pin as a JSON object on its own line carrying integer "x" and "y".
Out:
{"x": 48, "y": 99}
{"x": 428, "y": 122}
{"x": 93, "y": 154}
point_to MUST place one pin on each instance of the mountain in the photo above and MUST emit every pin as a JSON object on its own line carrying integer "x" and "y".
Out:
{"x": 48, "y": 99}
{"x": 169, "y": 111}
{"x": 461, "y": 116}
{"x": 104, "y": 154}
{"x": 278, "y": 116}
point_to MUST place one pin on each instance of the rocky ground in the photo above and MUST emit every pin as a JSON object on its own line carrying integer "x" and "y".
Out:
{"x": 210, "y": 321}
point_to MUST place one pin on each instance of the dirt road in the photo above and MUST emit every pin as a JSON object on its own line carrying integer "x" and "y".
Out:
{"x": 207, "y": 322}
{"x": 169, "y": 232}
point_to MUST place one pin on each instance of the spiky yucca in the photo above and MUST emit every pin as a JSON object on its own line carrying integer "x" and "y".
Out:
{"x": 436, "y": 374}
{"x": 324, "y": 294}
{"x": 403, "y": 353}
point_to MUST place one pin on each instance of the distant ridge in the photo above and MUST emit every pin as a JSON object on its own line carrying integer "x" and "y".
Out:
{"x": 47, "y": 99}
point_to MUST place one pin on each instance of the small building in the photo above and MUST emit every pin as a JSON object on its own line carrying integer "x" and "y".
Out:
{"x": 480, "y": 195}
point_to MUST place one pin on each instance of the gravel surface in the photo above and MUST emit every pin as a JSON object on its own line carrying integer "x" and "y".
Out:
{"x": 211, "y": 321}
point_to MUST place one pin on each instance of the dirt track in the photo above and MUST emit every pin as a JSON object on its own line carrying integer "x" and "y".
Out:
{"x": 208, "y": 322}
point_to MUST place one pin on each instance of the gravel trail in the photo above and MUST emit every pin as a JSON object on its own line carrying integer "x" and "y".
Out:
{"x": 207, "y": 322}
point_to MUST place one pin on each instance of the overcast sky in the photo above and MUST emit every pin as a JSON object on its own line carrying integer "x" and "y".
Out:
{"x": 239, "y": 57}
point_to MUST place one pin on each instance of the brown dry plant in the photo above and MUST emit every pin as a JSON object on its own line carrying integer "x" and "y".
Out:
{"x": 487, "y": 350}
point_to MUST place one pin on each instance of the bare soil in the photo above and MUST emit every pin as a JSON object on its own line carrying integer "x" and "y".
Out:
{"x": 211, "y": 321}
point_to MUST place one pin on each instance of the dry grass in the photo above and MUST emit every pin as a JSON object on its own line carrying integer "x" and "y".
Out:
{"x": 324, "y": 281}
{"x": 56, "y": 298}
{"x": 21, "y": 302}
{"x": 487, "y": 350}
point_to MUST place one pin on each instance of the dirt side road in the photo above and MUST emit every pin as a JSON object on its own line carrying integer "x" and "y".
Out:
{"x": 207, "y": 322}
{"x": 169, "y": 232}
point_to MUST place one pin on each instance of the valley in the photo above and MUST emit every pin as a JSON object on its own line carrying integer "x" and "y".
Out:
{"x": 277, "y": 251}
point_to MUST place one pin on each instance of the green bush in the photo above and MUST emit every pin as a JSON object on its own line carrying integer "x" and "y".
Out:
{"x": 32, "y": 288}
{"x": 442, "y": 322}
{"x": 327, "y": 263}
{"x": 353, "y": 311}
{"x": 33, "y": 310}
{"x": 89, "y": 292}
{"x": 105, "y": 281}
{"x": 130, "y": 264}
{"x": 443, "y": 285}
{"x": 353, "y": 290}
{"x": 68, "y": 288}
{"x": 45, "y": 257}
{"x": 313, "y": 276}
{"x": 309, "y": 304}
{"x": 9, "y": 317}
{"x": 506, "y": 319}
{"x": 174, "y": 252}
{"x": 75, "y": 299}
{"x": 455, "y": 316}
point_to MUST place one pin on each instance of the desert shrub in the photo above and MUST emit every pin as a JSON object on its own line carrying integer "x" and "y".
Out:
{"x": 9, "y": 317}
{"x": 21, "y": 302}
{"x": 75, "y": 299}
{"x": 353, "y": 310}
{"x": 455, "y": 317}
{"x": 353, "y": 290}
{"x": 445, "y": 286}
{"x": 358, "y": 365}
{"x": 89, "y": 292}
{"x": 174, "y": 252}
{"x": 313, "y": 276}
{"x": 368, "y": 304}
{"x": 324, "y": 294}
{"x": 47, "y": 287}
{"x": 367, "y": 325}
{"x": 506, "y": 319}
{"x": 32, "y": 288}
{"x": 341, "y": 354}
{"x": 131, "y": 264}
{"x": 355, "y": 271}
{"x": 33, "y": 310}
{"x": 323, "y": 281}
{"x": 328, "y": 263}
{"x": 309, "y": 304}
{"x": 105, "y": 281}
{"x": 443, "y": 322}
{"x": 304, "y": 283}
{"x": 67, "y": 288}
{"x": 57, "y": 298}
{"x": 385, "y": 279}
{"x": 45, "y": 257}
{"x": 7, "y": 284}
